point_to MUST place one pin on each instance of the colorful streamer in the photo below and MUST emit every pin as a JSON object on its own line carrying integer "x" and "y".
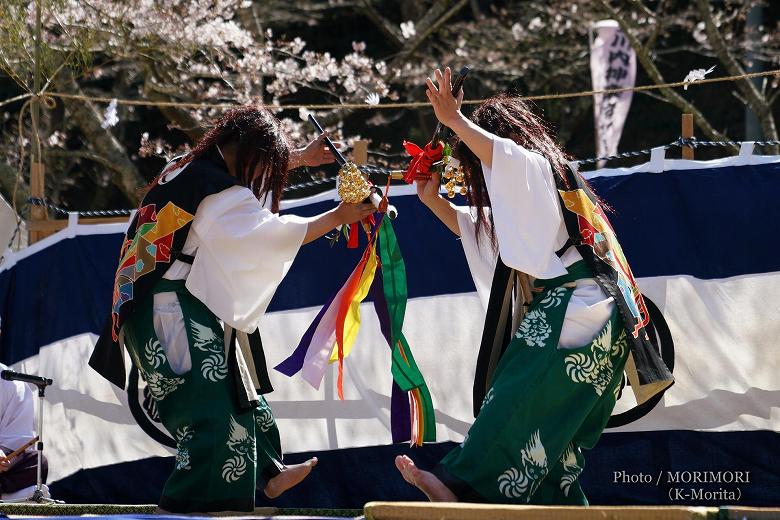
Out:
{"x": 405, "y": 370}
{"x": 331, "y": 336}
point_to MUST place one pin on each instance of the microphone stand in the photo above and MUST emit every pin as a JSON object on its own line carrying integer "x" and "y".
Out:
{"x": 38, "y": 495}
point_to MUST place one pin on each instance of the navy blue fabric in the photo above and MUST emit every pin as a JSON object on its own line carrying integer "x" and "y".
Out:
{"x": 707, "y": 223}
{"x": 351, "y": 477}
{"x": 666, "y": 455}
{"x": 57, "y": 293}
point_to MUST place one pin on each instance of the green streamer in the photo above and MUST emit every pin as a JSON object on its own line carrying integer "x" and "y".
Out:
{"x": 405, "y": 372}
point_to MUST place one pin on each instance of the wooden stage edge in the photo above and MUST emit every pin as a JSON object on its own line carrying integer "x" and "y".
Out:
{"x": 462, "y": 511}
{"x": 421, "y": 511}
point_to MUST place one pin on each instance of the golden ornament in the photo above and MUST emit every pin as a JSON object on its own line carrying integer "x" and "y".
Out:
{"x": 455, "y": 177}
{"x": 354, "y": 187}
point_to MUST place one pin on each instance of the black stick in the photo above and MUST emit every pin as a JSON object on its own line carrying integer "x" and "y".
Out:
{"x": 336, "y": 153}
{"x": 376, "y": 194}
{"x": 456, "y": 86}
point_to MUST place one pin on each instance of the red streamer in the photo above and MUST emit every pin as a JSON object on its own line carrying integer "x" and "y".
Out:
{"x": 352, "y": 243}
{"x": 343, "y": 307}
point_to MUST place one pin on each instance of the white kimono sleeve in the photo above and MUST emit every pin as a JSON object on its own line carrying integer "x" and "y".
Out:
{"x": 526, "y": 210}
{"x": 530, "y": 229}
{"x": 480, "y": 256}
{"x": 244, "y": 251}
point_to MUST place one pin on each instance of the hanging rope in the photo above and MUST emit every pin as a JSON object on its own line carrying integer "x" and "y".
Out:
{"x": 380, "y": 170}
{"x": 384, "y": 106}
{"x": 36, "y": 201}
{"x": 10, "y": 245}
{"x": 681, "y": 142}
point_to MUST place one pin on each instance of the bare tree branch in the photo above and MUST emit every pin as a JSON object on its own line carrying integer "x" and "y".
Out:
{"x": 642, "y": 7}
{"x": 755, "y": 100}
{"x": 437, "y": 15}
{"x": 655, "y": 75}
{"x": 391, "y": 32}
{"x": 476, "y": 11}
{"x": 653, "y": 95}
{"x": 180, "y": 118}
{"x": 659, "y": 25}
{"x": 773, "y": 97}
{"x": 83, "y": 154}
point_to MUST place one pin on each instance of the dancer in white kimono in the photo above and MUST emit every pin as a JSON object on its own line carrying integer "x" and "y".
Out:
{"x": 553, "y": 385}
{"x": 200, "y": 263}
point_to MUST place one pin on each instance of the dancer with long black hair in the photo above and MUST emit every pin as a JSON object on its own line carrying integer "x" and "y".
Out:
{"x": 198, "y": 267}
{"x": 548, "y": 388}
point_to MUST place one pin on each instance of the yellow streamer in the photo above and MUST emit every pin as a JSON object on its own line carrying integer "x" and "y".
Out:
{"x": 352, "y": 320}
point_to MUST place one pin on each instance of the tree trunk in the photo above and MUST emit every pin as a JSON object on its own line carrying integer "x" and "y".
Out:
{"x": 86, "y": 116}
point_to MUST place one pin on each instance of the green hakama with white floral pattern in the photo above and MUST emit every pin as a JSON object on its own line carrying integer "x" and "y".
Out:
{"x": 545, "y": 405}
{"x": 220, "y": 449}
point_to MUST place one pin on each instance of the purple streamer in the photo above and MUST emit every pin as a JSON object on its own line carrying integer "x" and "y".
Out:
{"x": 400, "y": 414}
{"x": 293, "y": 364}
{"x": 377, "y": 294}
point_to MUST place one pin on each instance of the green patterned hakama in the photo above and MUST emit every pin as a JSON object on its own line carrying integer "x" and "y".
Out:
{"x": 545, "y": 405}
{"x": 219, "y": 448}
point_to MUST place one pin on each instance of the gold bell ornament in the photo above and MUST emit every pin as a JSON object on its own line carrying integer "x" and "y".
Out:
{"x": 453, "y": 174}
{"x": 354, "y": 187}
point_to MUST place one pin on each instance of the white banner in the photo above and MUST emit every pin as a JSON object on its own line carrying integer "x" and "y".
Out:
{"x": 612, "y": 66}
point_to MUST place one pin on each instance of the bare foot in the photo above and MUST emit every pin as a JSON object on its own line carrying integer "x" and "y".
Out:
{"x": 289, "y": 477}
{"x": 425, "y": 481}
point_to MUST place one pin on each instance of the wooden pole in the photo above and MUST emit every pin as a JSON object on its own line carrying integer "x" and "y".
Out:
{"x": 21, "y": 449}
{"x": 37, "y": 187}
{"x": 360, "y": 152}
{"x": 687, "y": 133}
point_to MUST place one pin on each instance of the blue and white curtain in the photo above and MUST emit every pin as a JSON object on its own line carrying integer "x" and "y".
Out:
{"x": 700, "y": 238}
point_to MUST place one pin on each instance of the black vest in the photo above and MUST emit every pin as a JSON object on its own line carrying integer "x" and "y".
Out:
{"x": 153, "y": 241}
{"x": 591, "y": 233}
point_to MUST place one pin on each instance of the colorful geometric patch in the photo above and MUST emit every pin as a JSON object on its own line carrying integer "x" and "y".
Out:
{"x": 151, "y": 244}
{"x": 597, "y": 232}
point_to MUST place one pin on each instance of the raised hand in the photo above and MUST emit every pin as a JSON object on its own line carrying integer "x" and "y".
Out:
{"x": 445, "y": 105}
